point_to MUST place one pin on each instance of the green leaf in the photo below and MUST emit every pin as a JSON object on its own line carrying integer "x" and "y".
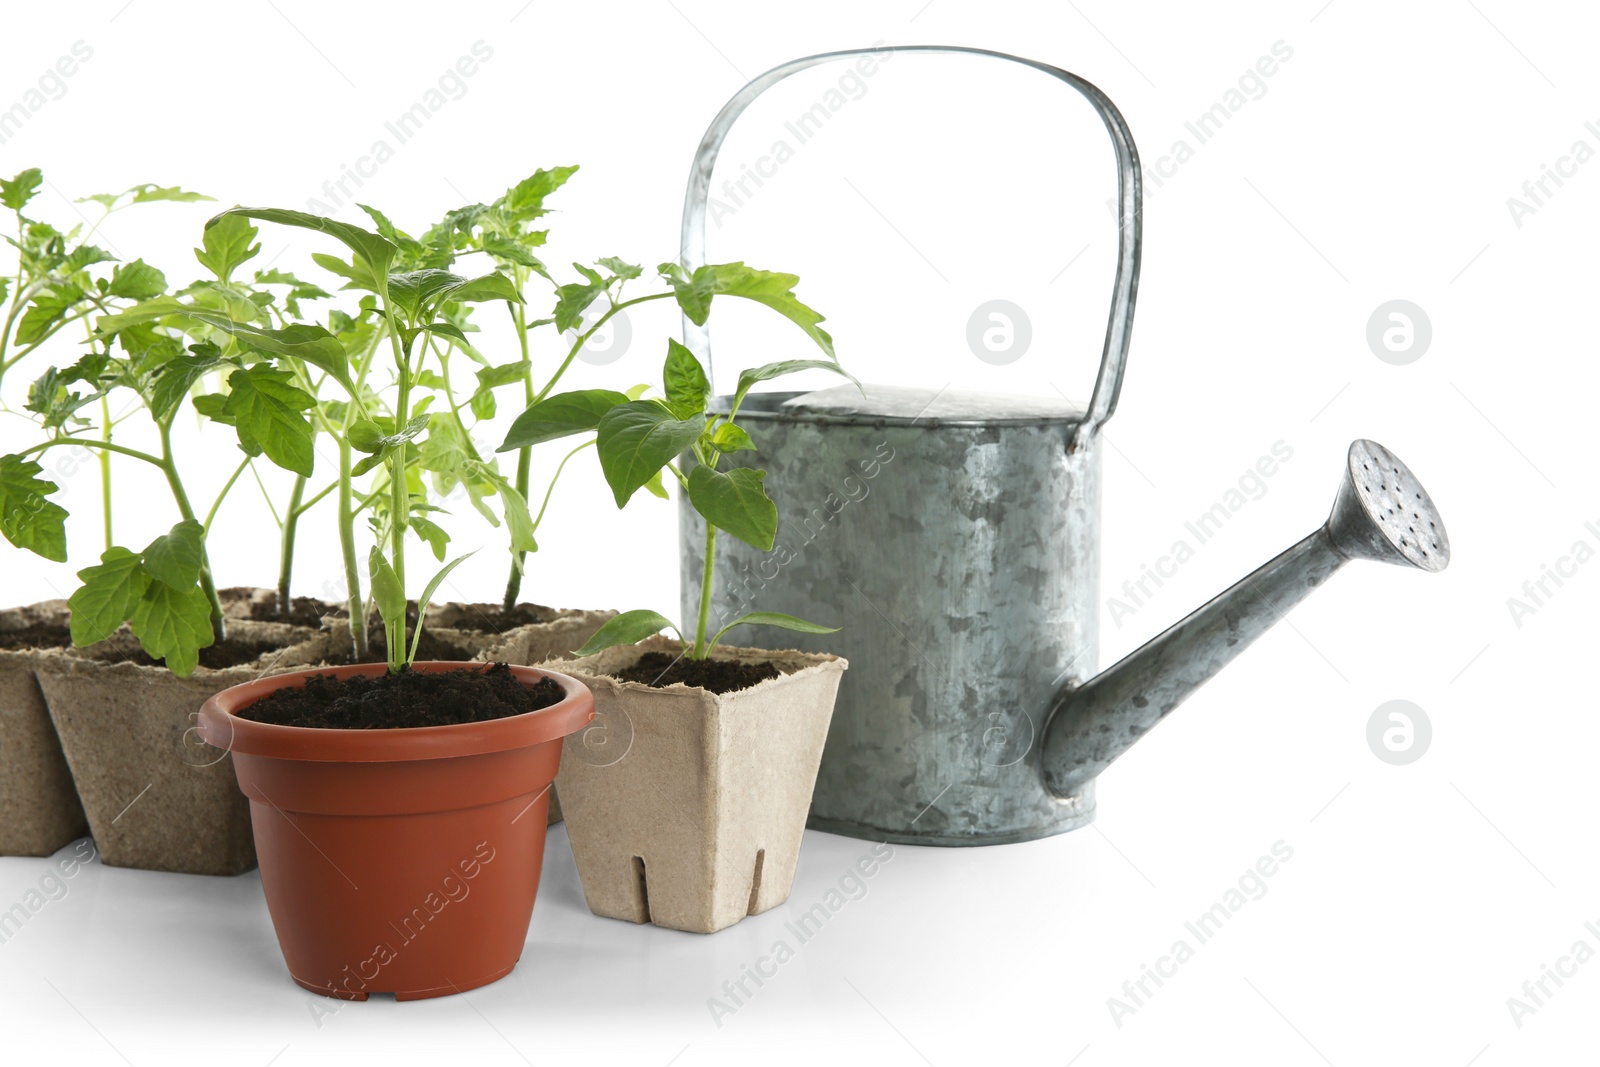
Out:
{"x": 655, "y": 487}
{"x": 175, "y": 557}
{"x": 266, "y": 408}
{"x": 525, "y": 200}
{"x": 777, "y": 370}
{"x": 561, "y": 415}
{"x": 107, "y": 596}
{"x": 137, "y": 281}
{"x": 228, "y": 243}
{"x": 774, "y": 618}
{"x": 519, "y": 522}
{"x": 773, "y": 289}
{"x": 387, "y": 592}
{"x": 367, "y": 436}
{"x": 173, "y": 625}
{"x": 15, "y": 193}
{"x": 637, "y": 439}
{"x": 178, "y": 376}
{"x": 488, "y": 287}
{"x": 149, "y": 192}
{"x": 48, "y": 307}
{"x": 687, "y": 386}
{"x": 427, "y": 598}
{"x": 737, "y": 502}
{"x": 626, "y": 629}
{"x": 303, "y": 341}
{"x": 84, "y": 256}
{"x": 432, "y": 534}
{"x": 377, "y": 252}
{"x": 514, "y": 251}
{"x": 505, "y": 374}
{"x": 27, "y": 518}
{"x": 624, "y": 271}
{"x": 359, "y": 277}
{"x": 731, "y": 438}
{"x": 574, "y": 298}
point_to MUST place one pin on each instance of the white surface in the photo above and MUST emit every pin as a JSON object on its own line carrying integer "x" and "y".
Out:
{"x": 1376, "y": 166}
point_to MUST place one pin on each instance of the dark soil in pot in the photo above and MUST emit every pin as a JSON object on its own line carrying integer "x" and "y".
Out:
{"x": 431, "y": 647}
{"x": 232, "y": 651}
{"x": 658, "y": 669}
{"x": 37, "y": 635}
{"x": 490, "y": 618}
{"x": 408, "y": 699}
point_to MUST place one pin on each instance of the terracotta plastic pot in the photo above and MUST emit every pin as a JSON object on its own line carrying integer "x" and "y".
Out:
{"x": 404, "y": 860}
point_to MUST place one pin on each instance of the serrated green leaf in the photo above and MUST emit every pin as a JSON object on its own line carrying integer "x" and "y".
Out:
{"x": 737, "y": 502}
{"x": 137, "y": 281}
{"x": 266, "y": 407}
{"x": 637, "y": 439}
{"x": 561, "y": 415}
{"x": 513, "y": 250}
{"x": 84, "y": 256}
{"x": 377, "y": 252}
{"x": 626, "y": 629}
{"x": 177, "y": 377}
{"x": 16, "y": 192}
{"x": 687, "y": 387}
{"x": 302, "y": 341}
{"x": 774, "y": 289}
{"x": 622, "y": 269}
{"x": 27, "y": 518}
{"x": 150, "y": 192}
{"x": 48, "y": 307}
{"x": 228, "y": 241}
{"x": 173, "y": 625}
{"x": 175, "y": 557}
{"x": 525, "y": 200}
{"x": 107, "y": 596}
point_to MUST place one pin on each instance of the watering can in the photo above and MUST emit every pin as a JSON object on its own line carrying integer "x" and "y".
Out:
{"x": 955, "y": 540}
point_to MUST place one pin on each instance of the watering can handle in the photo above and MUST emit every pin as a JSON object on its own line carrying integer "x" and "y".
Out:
{"x": 1113, "y": 358}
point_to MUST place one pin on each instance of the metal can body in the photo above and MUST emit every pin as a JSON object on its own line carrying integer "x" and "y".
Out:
{"x": 961, "y": 562}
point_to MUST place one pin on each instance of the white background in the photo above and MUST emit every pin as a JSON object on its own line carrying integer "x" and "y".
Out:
{"x": 1376, "y": 166}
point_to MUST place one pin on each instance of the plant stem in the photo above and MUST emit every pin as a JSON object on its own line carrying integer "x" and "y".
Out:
{"x": 105, "y": 469}
{"x": 291, "y": 518}
{"x": 524, "y": 455}
{"x": 584, "y": 337}
{"x": 700, "y": 651}
{"x": 217, "y": 504}
{"x": 347, "y": 544}
{"x": 555, "y": 478}
{"x": 400, "y": 501}
{"x": 90, "y": 442}
{"x": 219, "y": 628}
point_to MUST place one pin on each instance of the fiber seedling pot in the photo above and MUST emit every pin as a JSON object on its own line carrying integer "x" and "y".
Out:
{"x": 156, "y": 797}
{"x": 686, "y": 808}
{"x": 398, "y": 860}
{"x": 39, "y": 808}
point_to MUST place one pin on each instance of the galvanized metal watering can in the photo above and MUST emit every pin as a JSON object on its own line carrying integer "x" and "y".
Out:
{"x": 956, "y": 540}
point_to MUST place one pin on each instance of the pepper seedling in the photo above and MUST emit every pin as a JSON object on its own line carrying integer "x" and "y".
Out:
{"x": 638, "y": 439}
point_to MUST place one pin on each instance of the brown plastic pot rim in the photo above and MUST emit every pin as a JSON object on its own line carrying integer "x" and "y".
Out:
{"x": 221, "y": 727}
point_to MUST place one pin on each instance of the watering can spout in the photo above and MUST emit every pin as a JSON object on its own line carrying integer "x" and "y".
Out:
{"x": 1381, "y": 513}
